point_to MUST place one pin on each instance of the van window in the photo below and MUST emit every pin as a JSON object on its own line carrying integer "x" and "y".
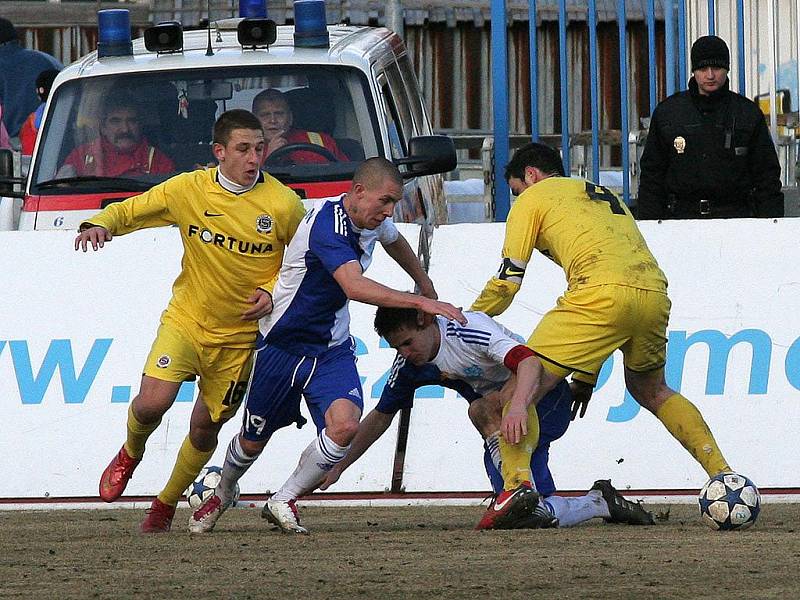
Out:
{"x": 413, "y": 92}
{"x": 127, "y": 132}
{"x": 397, "y": 141}
{"x": 402, "y": 103}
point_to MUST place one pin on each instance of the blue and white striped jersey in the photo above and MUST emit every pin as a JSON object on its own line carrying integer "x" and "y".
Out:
{"x": 310, "y": 311}
{"x": 404, "y": 379}
{"x": 474, "y": 352}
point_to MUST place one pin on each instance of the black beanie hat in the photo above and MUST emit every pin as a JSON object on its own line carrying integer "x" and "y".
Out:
{"x": 710, "y": 51}
{"x": 7, "y": 31}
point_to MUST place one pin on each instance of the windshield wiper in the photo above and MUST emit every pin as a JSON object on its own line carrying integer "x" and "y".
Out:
{"x": 123, "y": 184}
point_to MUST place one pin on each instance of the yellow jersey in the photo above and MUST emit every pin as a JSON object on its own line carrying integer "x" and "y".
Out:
{"x": 232, "y": 244}
{"x": 584, "y": 229}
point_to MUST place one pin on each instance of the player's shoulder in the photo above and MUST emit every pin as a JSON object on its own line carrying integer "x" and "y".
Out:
{"x": 478, "y": 329}
{"x": 272, "y": 186}
{"x": 476, "y": 317}
{"x": 480, "y": 321}
{"x": 199, "y": 178}
{"x": 330, "y": 210}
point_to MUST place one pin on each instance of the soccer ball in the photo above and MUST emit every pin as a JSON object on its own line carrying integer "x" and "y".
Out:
{"x": 203, "y": 487}
{"x": 729, "y": 501}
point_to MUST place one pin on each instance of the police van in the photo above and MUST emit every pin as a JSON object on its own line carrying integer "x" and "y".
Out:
{"x": 353, "y": 85}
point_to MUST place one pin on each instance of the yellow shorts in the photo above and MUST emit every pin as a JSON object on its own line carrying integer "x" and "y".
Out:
{"x": 223, "y": 372}
{"x": 588, "y": 324}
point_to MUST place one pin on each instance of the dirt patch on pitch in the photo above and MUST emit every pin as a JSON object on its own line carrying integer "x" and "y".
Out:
{"x": 390, "y": 552}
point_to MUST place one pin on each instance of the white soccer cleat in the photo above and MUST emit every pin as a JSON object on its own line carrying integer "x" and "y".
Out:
{"x": 207, "y": 515}
{"x": 284, "y": 515}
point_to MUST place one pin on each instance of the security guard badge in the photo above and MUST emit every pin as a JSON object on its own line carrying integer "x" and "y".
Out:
{"x": 680, "y": 144}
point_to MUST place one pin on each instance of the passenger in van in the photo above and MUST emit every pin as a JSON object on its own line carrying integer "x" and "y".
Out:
{"x": 120, "y": 150}
{"x": 273, "y": 110}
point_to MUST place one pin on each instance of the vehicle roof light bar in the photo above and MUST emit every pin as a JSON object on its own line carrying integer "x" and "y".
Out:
{"x": 114, "y": 33}
{"x": 310, "y": 26}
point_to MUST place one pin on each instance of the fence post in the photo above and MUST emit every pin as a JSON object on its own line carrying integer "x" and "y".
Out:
{"x": 500, "y": 107}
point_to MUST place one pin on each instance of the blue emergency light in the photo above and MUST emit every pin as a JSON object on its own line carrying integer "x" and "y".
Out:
{"x": 310, "y": 26}
{"x": 256, "y": 9}
{"x": 114, "y": 32}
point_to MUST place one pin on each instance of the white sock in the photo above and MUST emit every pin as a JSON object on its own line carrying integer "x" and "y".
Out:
{"x": 572, "y": 511}
{"x": 316, "y": 460}
{"x": 236, "y": 465}
{"x": 493, "y": 444}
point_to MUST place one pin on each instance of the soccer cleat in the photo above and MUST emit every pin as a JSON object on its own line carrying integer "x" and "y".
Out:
{"x": 158, "y": 518}
{"x": 207, "y": 515}
{"x": 540, "y": 518}
{"x": 509, "y": 508}
{"x": 118, "y": 473}
{"x": 284, "y": 515}
{"x": 620, "y": 509}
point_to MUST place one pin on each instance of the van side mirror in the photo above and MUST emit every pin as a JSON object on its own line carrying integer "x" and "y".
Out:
{"x": 7, "y": 179}
{"x": 428, "y": 155}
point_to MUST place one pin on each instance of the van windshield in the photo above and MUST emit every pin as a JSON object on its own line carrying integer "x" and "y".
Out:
{"x": 129, "y": 131}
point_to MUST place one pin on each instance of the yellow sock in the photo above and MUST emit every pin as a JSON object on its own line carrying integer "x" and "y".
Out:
{"x": 138, "y": 434}
{"x": 686, "y": 424}
{"x": 516, "y": 458}
{"x": 188, "y": 464}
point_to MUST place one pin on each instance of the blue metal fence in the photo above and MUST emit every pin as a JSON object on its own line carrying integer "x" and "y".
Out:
{"x": 673, "y": 14}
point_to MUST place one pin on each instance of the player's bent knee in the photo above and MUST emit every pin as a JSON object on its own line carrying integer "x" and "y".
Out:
{"x": 343, "y": 432}
{"x": 250, "y": 447}
{"x": 485, "y": 415}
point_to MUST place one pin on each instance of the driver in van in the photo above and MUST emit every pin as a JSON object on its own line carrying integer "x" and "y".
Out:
{"x": 273, "y": 110}
{"x": 120, "y": 150}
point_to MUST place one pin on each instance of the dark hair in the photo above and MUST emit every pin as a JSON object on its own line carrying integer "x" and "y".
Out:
{"x": 8, "y": 33}
{"x": 237, "y": 118}
{"x": 374, "y": 170}
{"x": 540, "y": 156}
{"x": 388, "y": 320}
{"x": 118, "y": 100}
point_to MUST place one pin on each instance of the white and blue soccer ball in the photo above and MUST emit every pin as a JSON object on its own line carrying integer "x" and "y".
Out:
{"x": 729, "y": 501}
{"x": 202, "y": 488}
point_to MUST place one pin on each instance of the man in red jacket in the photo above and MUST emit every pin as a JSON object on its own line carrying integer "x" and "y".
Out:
{"x": 121, "y": 150}
{"x": 273, "y": 110}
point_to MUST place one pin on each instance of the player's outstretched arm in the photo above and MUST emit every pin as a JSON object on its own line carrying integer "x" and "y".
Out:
{"x": 373, "y": 426}
{"x": 94, "y": 235}
{"x": 360, "y": 288}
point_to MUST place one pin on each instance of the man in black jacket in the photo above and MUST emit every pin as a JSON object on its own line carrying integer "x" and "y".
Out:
{"x": 709, "y": 153}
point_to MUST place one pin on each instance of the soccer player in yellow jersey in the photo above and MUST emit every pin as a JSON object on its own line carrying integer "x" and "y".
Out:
{"x": 616, "y": 298}
{"x": 235, "y": 222}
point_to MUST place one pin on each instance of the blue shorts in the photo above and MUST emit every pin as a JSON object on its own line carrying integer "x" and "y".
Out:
{"x": 555, "y": 415}
{"x": 280, "y": 379}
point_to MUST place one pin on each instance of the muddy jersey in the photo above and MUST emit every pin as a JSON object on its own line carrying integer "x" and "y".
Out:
{"x": 580, "y": 226}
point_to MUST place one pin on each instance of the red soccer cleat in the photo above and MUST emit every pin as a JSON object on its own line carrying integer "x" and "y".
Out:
{"x": 115, "y": 478}
{"x": 510, "y": 508}
{"x": 158, "y": 518}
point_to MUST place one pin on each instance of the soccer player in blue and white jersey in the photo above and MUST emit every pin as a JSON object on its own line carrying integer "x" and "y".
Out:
{"x": 479, "y": 360}
{"x": 307, "y": 348}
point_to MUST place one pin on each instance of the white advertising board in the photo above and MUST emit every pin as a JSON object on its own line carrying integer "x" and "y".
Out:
{"x": 75, "y": 330}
